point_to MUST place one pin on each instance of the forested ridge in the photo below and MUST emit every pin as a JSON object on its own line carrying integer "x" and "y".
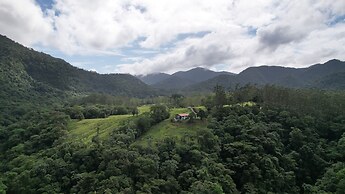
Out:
{"x": 329, "y": 75}
{"x": 286, "y": 141}
{"x": 30, "y": 73}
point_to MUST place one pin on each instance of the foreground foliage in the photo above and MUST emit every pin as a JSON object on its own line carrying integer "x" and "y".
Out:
{"x": 276, "y": 145}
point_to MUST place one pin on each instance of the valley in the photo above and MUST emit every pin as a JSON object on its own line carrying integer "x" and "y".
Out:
{"x": 264, "y": 130}
{"x": 172, "y": 97}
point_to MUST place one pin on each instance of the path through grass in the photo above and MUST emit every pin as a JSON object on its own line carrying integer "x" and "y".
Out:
{"x": 85, "y": 129}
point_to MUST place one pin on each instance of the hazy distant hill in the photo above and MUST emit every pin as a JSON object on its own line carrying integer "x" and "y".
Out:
{"x": 227, "y": 81}
{"x": 333, "y": 81}
{"x": 151, "y": 79}
{"x": 265, "y": 74}
{"x": 324, "y": 76}
{"x": 29, "y": 72}
{"x": 174, "y": 82}
{"x": 181, "y": 79}
{"x": 329, "y": 75}
{"x": 321, "y": 71}
{"x": 199, "y": 74}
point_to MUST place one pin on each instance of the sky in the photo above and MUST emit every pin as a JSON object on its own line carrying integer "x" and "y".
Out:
{"x": 148, "y": 36}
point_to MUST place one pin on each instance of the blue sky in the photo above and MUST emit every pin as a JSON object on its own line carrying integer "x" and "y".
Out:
{"x": 105, "y": 63}
{"x": 99, "y": 63}
{"x": 147, "y": 36}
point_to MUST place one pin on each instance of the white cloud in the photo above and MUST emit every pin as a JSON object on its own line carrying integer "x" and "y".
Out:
{"x": 23, "y": 21}
{"x": 242, "y": 32}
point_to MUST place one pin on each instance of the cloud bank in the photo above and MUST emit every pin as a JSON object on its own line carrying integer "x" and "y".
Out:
{"x": 166, "y": 36}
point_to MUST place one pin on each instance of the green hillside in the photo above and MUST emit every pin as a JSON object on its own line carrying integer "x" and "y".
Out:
{"x": 333, "y": 81}
{"x": 173, "y": 82}
{"x": 16, "y": 84}
{"x": 25, "y": 68}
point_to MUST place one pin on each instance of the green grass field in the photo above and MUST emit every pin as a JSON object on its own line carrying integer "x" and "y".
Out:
{"x": 86, "y": 129}
{"x": 143, "y": 109}
{"x": 170, "y": 129}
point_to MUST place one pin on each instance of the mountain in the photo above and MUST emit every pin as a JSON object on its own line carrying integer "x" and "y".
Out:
{"x": 320, "y": 71}
{"x": 34, "y": 73}
{"x": 329, "y": 75}
{"x": 199, "y": 74}
{"x": 333, "y": 81}
{"x": 265, "y": 74}
{"x": 173, "y": 82}
{"x": 181, "y": 79}
{"x": 227, "y": 81}
{"x": 151, "y": 79}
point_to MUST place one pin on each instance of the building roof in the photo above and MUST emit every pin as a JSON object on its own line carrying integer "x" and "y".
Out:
{"x": 183, "y": 115}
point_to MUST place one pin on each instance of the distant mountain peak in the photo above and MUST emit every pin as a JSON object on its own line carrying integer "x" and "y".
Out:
{"x": 194, "y": 75}
{"x": 199, "y": 69}
{"x": 327, "y": 75}
{"x": 333, "y": 60}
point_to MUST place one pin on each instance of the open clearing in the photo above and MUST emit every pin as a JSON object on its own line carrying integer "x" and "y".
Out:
{"x": 86, "y": 129}
{"x": 171, "y": 129}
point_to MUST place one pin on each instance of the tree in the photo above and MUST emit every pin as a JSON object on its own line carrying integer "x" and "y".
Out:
{"x": 202, "y": 114}
{"x": 2, "y": 188}
{"x": 75, "y": 112}
{"x": 92, "y": 112}
{"x": 192, "y": 117}
{"x": 220, "y": 96}
{"x": 143, "y": 124}
{"x": 206, "y": 187}
{"x": 176, "y": 100}
{"x": 159, "y": 113}
{"x": 208, "y": 102}
{"x": 209, "y": 143}
{"x": 135, "y": 111}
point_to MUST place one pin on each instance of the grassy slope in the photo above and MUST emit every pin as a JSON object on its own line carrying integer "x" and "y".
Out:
{"x": 172, "y": 129}
{"x": 85, "y": 129}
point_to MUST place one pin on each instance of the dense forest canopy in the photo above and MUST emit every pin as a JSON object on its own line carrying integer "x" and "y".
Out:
{"x": 284, "y": 141}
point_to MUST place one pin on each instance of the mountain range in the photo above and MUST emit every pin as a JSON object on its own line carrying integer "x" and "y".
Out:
{"x": 26, "y": 73}
{"x": 180, "y": 79}
{"x": 330, "y": 75}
